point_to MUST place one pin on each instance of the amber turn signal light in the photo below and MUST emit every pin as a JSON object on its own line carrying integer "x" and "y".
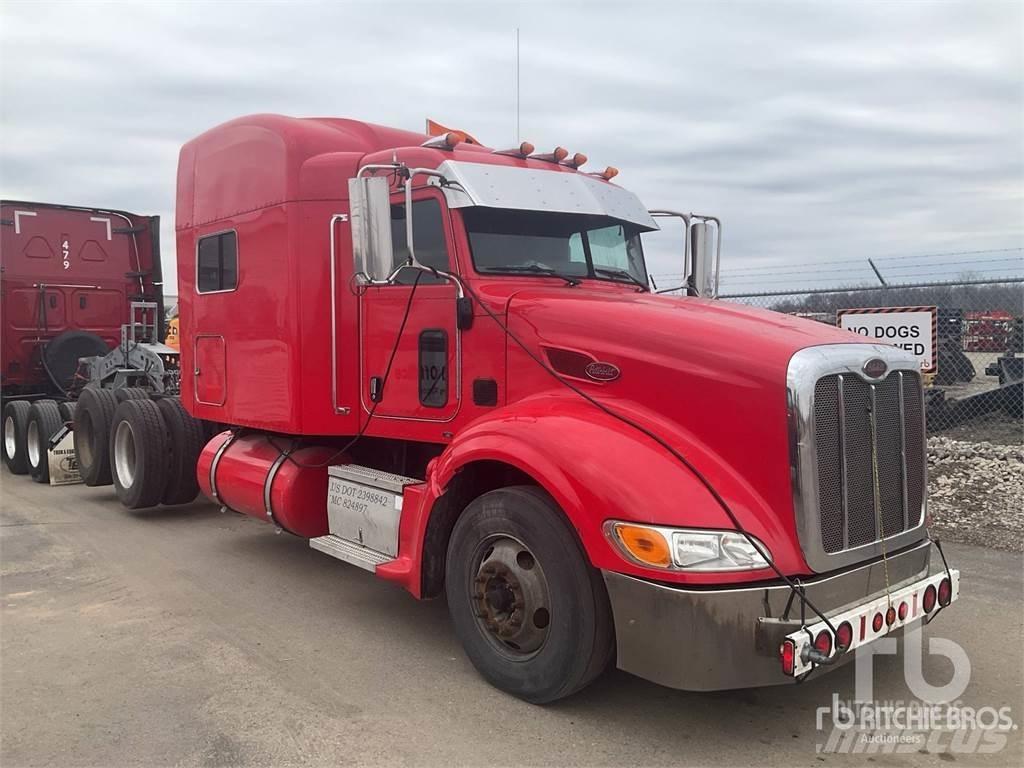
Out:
{"x": 644, "y": 544}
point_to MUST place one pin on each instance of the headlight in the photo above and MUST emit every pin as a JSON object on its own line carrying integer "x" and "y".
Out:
{"x": 687, "y": 549}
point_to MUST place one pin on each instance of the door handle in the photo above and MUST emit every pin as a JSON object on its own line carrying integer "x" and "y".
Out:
{"x": 196, "y": 371}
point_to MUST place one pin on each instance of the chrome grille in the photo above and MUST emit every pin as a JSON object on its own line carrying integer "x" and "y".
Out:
{"x": 863, "y": 429}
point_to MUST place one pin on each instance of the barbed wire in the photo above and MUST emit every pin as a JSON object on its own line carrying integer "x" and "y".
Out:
{"x": 906, "y": 257}
{"x": 732, "y": 275}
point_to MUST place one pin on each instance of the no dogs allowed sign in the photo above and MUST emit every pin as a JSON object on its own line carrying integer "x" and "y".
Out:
{"x": 910, "y": 328}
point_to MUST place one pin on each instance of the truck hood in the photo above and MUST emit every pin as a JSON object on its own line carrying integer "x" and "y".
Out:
{"x": 708, "y": 376}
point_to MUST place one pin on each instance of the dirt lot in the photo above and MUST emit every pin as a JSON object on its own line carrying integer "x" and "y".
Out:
{"x": 189, "y": 637}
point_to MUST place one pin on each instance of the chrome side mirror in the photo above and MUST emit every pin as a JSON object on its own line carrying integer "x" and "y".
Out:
{"x": 370, "y": 218}
{"x": 702, "y": 252}
{"x": 702, "y": 248}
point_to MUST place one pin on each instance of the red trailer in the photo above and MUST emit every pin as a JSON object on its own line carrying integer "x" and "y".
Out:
{"x": 69, "y": 275}
{"x": 445, "y": 364}
{"x": 71, "y": 279}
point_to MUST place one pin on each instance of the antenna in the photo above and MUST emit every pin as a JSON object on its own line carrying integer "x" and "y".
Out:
{"x": 517, "y": 85}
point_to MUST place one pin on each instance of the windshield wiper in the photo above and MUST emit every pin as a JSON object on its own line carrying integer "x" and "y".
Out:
{"x": 616, "y": 272}
{"x": 534, "y": 269}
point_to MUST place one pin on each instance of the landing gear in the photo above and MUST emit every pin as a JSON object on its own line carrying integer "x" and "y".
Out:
{"x": 531, "y": 612}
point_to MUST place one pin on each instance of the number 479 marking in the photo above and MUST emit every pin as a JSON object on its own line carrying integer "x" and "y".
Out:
{"x": 66, "y": 252}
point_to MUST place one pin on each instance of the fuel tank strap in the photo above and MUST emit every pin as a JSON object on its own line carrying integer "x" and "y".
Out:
{"x": 213, "y": 465}
{"x": 268, "y": 487}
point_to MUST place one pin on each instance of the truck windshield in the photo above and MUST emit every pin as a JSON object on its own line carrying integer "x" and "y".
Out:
{"x": 536, "y": 242}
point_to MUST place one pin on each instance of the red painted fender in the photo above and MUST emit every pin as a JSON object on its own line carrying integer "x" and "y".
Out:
{"x": 598, "y": 468}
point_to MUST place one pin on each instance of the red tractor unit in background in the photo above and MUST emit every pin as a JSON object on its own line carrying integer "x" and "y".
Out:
{"x": 81, "y": 305}
{"x": 445, "y": 364}
{"x": 69, "y": 275}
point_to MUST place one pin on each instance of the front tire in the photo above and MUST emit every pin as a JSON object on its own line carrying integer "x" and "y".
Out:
{"x": 532, "y": 614}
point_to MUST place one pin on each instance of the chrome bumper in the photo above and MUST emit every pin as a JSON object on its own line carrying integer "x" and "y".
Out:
{"x": 713, "y": 639}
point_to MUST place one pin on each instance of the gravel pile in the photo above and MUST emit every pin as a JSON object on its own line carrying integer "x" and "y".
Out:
{"x": 976, "y": 492}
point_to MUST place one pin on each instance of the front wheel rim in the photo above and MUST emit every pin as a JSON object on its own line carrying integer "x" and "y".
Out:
{"x": 510, "y": 597}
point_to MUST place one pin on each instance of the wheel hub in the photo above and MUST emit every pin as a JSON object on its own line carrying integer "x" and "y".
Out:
{"x": 511, "y": 596}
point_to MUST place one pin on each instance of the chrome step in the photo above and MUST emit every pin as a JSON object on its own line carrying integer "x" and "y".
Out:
{"x": 335, "y": 546}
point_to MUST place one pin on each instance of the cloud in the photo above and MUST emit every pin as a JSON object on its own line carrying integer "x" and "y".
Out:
{"x": 817, "y": 131}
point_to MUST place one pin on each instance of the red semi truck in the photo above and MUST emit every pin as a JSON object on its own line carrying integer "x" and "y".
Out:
{"x": 445, "y": 364}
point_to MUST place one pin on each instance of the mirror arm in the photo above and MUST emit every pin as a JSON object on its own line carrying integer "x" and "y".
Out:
{"x": 687, "y": 270}
{"x": 411, "y": 262}
{"x": 374, "y": 167}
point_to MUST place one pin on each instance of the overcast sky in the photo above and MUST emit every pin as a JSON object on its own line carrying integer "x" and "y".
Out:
{"x": 819, "y": 132}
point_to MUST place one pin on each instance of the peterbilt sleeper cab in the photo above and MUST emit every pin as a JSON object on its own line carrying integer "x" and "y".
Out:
{"x": 445, "y": 364}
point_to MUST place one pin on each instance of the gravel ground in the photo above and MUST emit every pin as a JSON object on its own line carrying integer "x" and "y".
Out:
{"x": 976, "y": 492}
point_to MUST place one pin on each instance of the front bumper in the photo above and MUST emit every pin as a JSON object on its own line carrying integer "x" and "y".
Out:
{"x": 712, "y": 639}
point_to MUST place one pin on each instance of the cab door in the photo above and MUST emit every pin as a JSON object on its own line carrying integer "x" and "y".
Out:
{"x": 409, "y": 341}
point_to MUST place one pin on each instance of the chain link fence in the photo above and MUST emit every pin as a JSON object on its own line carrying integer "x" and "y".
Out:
{"x": 974, "y": 398}
{"x": 975, "y": 393}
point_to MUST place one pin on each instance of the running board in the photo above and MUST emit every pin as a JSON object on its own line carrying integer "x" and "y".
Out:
{"x": 335, "y": 546}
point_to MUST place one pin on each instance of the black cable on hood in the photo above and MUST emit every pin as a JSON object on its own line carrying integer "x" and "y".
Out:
{"x": 664, "y": 444}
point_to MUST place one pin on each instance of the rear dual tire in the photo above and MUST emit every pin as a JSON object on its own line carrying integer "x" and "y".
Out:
{"x": 94, "y": 417}
{"x": 186, "y": 439}
{"x": 15, "y": 428}
{"x": 43, "y": 422}
{"x": 139, "y": 454}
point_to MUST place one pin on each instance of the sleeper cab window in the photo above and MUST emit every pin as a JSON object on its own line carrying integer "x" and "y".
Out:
{"x": 217, "y": 263}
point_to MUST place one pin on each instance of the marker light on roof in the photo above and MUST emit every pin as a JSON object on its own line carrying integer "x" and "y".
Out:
{"x": 559, "y": 154}
{"x": 448, "y": 140}
{"x": 576, "y": 160}
{"x": 523, "y": 150}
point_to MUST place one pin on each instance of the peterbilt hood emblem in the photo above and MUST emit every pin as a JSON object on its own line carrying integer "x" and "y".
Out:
{"x": 599, "y": 371}
{"x": 875, "y": 368}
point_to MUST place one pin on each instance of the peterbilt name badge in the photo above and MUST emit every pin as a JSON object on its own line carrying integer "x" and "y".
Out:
{"x": 602, "y": 371}
{"x": 875, "y": 368}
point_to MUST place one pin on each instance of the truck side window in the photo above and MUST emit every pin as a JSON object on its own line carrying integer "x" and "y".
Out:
{"x": 431, "y": 248}
{"x": 217, "y": 263}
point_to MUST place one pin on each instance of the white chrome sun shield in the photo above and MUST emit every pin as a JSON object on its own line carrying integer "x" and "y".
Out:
{"x": 534, "y": 189}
